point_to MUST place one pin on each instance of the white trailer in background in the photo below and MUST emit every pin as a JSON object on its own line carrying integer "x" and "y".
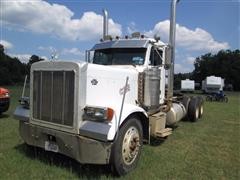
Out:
{"x": 187, "y": 85}
{"x": 212, "y": 84}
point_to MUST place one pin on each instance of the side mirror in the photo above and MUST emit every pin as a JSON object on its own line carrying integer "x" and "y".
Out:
{"x": 87, "y": 56}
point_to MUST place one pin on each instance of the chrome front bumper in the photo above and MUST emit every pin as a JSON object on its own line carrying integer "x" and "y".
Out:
{"x": 80, "y": 148}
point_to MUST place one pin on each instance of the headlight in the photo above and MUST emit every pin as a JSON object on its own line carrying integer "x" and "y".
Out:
{"x": 100, "y": 114}
{"x": 4, "y": 95}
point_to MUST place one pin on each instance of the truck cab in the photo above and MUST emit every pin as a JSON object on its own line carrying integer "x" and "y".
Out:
{"x": 136, "y": 53}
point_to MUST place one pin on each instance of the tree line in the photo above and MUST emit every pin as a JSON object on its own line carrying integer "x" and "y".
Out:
{"x": 12, "y": 70}
{"x": 225, "y": 64}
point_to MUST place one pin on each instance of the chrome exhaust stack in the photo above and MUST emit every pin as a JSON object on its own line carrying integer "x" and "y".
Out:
{"x": 172, "y": 33}
{"x": 105, "y": 23}
{"x": 175, "y": 111}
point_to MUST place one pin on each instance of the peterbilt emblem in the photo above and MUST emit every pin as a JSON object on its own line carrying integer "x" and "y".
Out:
{"x": 94, "y": 82}
{"x": 121, "y": 90}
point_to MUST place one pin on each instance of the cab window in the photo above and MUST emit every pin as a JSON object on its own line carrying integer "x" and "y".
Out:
{"x": 155, "y": 57}
{"x": 120, "y": 56}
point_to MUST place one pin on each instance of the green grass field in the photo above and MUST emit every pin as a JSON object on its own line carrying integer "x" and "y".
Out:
{"x": 208, "y": 149}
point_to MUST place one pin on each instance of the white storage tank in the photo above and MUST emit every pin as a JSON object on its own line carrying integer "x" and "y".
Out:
{"x": 187, "y": 85}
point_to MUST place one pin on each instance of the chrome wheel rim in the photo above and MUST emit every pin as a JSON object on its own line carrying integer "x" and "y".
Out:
{"x": 197, "y": 113}
{"x": 130, "y": 145}
{"x": 201, "y": 110}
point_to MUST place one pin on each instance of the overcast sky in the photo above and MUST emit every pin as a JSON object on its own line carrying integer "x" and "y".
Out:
{"x": 70, "y": 27}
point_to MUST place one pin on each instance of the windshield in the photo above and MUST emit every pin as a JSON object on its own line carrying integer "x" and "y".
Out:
{"x": 120, "y": 56}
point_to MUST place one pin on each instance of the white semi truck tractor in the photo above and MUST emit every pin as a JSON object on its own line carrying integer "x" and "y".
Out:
{"x": 103, "y": 110}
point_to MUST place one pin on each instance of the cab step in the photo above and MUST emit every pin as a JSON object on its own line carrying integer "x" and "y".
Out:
{"x": 164, "y": 132}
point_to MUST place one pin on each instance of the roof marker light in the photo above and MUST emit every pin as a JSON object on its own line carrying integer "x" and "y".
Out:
{"x": 136, "y": 35}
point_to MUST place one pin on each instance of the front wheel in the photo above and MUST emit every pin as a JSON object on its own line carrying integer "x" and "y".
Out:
{"x": 127, "y": 147}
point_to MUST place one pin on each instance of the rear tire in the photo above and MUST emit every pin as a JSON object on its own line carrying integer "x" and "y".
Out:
{"x": 200, "y": 100}
{"x": 127, "y": 147}
{"x": 193, "y": 109}
{"x": 185, "y": 102}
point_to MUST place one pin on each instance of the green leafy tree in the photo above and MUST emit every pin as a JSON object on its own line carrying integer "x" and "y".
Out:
{"x": 180, "y": 76}
{"x": 33, "y": 59}
{"x": 13, "y": 71}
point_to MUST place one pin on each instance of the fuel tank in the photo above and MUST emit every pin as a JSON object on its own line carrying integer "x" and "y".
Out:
{"x": 152, "y": 87}
{"x": 176, "y": 113}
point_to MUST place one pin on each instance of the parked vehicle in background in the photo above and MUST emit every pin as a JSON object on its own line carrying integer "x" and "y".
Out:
{"x": 212, "y": 84}
{"x": 228, "y": 87}
{"x": 4, "y": 100}
{"x": 187, "y": 85}
{"x": 220, "y": 96}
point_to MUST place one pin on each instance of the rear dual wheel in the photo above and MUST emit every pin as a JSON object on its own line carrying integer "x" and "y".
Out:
{"x": 195, "y": 108}
{"x": 200, "y": 102}
{"x": 185, "y": 102}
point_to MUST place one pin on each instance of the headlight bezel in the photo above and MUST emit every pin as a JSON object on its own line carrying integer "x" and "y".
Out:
{"x": 98, "y": 114}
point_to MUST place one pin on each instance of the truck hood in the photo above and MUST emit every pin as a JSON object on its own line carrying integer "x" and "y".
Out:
{"x": 104, "y": 86}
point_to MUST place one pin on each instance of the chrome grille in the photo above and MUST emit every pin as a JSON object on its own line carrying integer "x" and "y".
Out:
{"x": 53, "y": 96}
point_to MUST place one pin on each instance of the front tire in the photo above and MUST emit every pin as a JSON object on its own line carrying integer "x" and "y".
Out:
{"x": 126, "y": 149}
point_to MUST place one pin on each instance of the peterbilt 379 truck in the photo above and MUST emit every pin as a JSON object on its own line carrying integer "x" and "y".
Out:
{"x": 103, "y": 110}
